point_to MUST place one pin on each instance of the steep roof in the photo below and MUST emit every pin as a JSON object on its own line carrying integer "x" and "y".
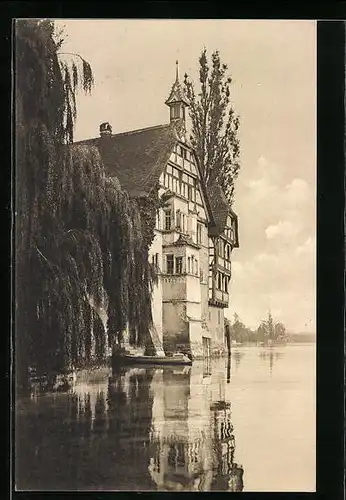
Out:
{"x": 137, "y": 157}
{"x": 177, "y": 94}
{"x": 219, "y": 206}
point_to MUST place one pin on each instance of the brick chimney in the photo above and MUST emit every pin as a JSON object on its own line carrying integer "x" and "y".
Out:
{"x": 105, "y": 129}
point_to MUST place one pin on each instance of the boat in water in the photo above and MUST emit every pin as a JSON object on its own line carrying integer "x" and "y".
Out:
{"x": 133, "y": 359}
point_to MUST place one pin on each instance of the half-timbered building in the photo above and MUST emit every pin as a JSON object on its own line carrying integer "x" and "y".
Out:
{"x": 195, "y": 231}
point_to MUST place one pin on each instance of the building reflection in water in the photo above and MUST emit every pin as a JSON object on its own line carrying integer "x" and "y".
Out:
{"x": 228, "y": 371}
{"x": 192, "y": 438}
{"x": 137, "y": 430}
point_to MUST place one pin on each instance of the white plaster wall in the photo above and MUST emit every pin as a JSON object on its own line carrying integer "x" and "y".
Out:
{"x": 193, "y": 289}
{"x": 156, "y": 248}
{"x": 193, "y": 310}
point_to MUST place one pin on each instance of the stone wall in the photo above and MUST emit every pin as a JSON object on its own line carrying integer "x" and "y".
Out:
{"x": 216, "y": 328}
{"x": 175, "y": 327}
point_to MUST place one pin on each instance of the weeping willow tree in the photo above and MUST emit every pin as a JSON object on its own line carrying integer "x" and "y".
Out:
{"x": 80, "y": 239}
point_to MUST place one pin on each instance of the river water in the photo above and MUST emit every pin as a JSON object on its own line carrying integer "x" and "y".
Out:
{"x": 247, "y": 425}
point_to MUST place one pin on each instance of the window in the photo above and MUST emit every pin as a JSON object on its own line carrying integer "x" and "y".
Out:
{"x": 219, "y": 281}
{"x": 179, "y": 265}
{"x": 158, "y": 222}
{"x": 170, "y": 264}
{"x": 191, "y": 193}
{"x": 199, "y": 232}
{"x": 189, "y": 265}
{"x": 219, "y": 317}
{"x": 168, "y": 220}
{"x": 196, "y": 267}
{"x": 221, "y": 249}
{"x": 226, "y": 284}
{"x": 155, "y": 259}
{"x": 178, "y": 220}
{"x": 184, "y": 189}
{"x": 175, "y": 111}
{"x": 184, "y": 223}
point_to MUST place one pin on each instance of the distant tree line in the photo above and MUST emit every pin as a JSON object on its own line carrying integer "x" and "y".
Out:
{"x": 268, "y": 330}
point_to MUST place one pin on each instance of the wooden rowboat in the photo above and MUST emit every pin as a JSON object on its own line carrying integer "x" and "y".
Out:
{"x": 131, "y": 359}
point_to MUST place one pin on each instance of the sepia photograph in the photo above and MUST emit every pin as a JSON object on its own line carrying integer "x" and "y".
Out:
{"x": 165, "y": 255}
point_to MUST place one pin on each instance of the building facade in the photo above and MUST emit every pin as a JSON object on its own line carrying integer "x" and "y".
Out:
{"x": 195, "y": 232}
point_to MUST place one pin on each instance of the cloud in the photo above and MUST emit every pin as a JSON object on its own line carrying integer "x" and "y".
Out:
{"x": 261, "y": 189}
{"x": 297, "y": 192}
{"x": 282, "y": 280}
{"x": 282, "y": 229}
{"x": 308, "y": 247}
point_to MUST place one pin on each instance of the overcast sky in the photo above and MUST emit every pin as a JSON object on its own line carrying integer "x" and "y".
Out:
{"x": 273, "y": 66}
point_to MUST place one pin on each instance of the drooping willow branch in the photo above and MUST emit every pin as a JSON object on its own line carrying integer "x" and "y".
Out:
{"x": 79, "y": 237}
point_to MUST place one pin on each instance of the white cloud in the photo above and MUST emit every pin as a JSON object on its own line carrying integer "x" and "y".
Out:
{"x": 261, "y": 189}
{"x": 308, "y": 247}
{"x": 284, "y": 229}
{"x": 297, "y": 192}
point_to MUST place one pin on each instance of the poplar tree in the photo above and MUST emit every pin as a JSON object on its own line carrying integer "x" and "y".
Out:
{"x": 214, "y": 124}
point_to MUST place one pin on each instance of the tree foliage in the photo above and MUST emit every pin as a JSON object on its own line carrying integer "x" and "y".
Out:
{"x": 267, "y": 330}
{"x": 80, "y": 240}
{"x": 215, "y": 124}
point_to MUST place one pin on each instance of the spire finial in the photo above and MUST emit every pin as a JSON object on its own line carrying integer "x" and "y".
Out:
{"x": 176, "y": 70}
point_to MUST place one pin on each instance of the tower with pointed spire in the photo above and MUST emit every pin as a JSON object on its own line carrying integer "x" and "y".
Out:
{"x": 177, "y": 101}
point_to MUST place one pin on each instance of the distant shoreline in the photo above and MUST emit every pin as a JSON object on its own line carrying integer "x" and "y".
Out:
{"x": 280, "y": 344}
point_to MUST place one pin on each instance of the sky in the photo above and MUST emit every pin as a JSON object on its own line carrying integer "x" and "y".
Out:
{"x": 273, "y": 67}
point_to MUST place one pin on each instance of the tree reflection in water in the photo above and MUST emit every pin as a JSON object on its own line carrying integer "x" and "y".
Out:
{"x": 270, "y": 356}
{"x": 94, "y": 437}
{"x": 237, "y": 356}
{"x": 134, "y": 431}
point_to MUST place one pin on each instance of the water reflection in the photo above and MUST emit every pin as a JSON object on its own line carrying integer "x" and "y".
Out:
{"x": 191, "y": 451}
{"x": 270, "y": 357}
{"x": 228, "y": 370}
{"x": 237, "y": 356}
{"x": 138, "y": 429}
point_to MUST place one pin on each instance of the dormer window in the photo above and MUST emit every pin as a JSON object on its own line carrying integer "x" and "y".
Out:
{"x": 175, "y": 111}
